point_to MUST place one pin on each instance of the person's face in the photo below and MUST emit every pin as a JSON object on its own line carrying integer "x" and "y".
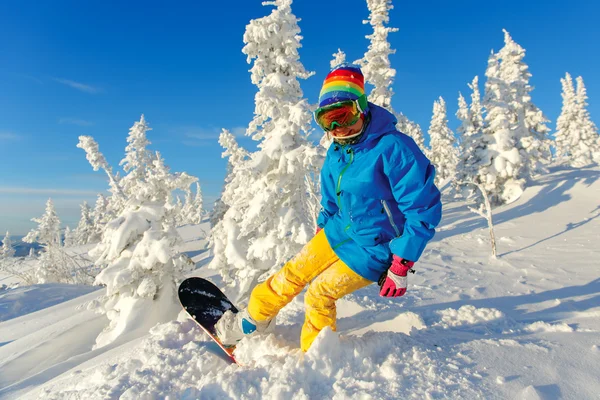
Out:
{"x": 342, "y": 132}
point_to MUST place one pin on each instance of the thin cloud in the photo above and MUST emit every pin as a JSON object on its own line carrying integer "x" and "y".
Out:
{"x": 79, "y": 86}
{"x": 202, "y": 134}
{"x": 238, "y": 131}
{"x": 6, "y": 136}
{"x": 46, "y": 192}
{"x": 75, "y": 121}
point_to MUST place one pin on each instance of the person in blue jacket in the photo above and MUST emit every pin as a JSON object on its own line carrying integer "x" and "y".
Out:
{"x": 380, "y": 207}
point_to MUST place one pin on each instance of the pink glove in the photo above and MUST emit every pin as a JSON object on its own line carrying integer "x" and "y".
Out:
{"x": 393, "y": 282}
{"x": 318, "y": 229}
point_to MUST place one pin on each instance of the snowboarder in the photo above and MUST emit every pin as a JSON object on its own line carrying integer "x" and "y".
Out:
{"x": 379, "y": 209}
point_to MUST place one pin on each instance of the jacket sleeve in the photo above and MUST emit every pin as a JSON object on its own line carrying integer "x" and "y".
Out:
{"x": 329, "y": 206}
{"x": 411, "y": 178}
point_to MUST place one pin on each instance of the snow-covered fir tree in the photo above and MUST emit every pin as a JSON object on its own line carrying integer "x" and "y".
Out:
{"x": 586, "y": 150}
{"x": 268, "y": 222}
{"x": 51, "y": 266}
{"x": 236, "y": 155}
{"x": 500, "y": 170}
{"x": 442, "y": 150}
{"x": 338, "y": 58}
{"x": 69, "y": 239}
{"x": 526, "y": 120}
{"x": 472, "y": 147}
{"x": 7, "y": 249}
{"x": 98, "y": 161}
{"x": 180, "y": 218}
{"x": 476, "y": 108}
{"x": 567, "y": 124}
{"x": 411, "y": 129}
{"x": 47, "y": 233}
{"x": 138, "y": 252}
{"x": 375, "y": 64}
{"x": 101, "y": 216}
{"x": 377, "y": 69}
{"x": 85, "y": 229}
{"x": 138, "y": 159}
{"x": 196, "y": 208}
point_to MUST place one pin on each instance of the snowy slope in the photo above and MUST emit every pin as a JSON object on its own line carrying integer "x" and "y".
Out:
{"x": 525, "y": 325}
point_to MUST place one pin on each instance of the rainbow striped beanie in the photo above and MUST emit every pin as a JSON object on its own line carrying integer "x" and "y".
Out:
{"x": 344, "y": 82}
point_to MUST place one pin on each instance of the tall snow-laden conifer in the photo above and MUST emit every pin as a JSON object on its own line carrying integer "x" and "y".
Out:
{"x": 526, "y": 120}
{"x": 587, "y": 149}
{"x": 138, "y": 251}
{"x": 442, "y": 152}
{"x": 7, "y": 251}
{"x": 101, "y": 216}
{"x": 137, "y": 157}
{"x": 236, "y": 156}
{"x": 501, "y": 170}
{"x": 375, "y": 64}
{"x": 197, "y": 207}
{"x": 338, "y": 58}
{"x": 377, "y": 69}
{"x": 97, "y": 161}
{"x": 85, "y": 229}
{"x": 269, "y": 221}
{"x": 51, "y": 265}
{"x": 47, "y": 233}
{"x": 472, "y": 146}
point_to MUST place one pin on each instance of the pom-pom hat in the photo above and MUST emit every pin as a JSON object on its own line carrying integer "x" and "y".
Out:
{"x": 345, "y": 82}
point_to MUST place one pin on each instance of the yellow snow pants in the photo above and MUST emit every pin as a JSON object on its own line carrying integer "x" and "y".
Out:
{"x": 331, "y": 280}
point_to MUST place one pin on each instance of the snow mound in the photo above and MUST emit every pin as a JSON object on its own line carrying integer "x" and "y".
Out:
{"x": 178, "y": 361}
{"x": 541, "y": 326}
{"x": 467, "y": 315}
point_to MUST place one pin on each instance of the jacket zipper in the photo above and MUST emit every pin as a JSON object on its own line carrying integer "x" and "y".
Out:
{"x": 389, "y": 214}
{"x": 343, "y": 241}
{"x": 339, "y": 181}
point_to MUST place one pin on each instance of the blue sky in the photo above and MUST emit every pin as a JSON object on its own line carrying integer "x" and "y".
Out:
{"x": 71, "y": 68}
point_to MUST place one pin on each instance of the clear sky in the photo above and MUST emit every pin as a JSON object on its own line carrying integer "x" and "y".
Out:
{"x": 70, "y": 68}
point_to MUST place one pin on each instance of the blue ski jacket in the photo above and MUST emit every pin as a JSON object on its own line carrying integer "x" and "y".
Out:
{"x": 378, "y": 198}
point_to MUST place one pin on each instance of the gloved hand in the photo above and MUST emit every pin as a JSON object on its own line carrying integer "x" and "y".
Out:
{"x": 318, "y": 229}
{"x": 393, "y": 282}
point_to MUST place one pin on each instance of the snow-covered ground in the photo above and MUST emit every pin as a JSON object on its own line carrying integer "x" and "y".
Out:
{"x": 523, "y": 326}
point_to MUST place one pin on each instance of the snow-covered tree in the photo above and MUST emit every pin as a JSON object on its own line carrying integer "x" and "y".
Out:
{"x": 7, "y": 250}
{"x": 236, "y": 155}
{"x": 476, "y": 109}
{"x": 411, "y": 129}
{"x": 47, "y": 233}
{"x": 85, "y": 229}
{"x": 141, "y": 266}
{"x": 375, "y": 63}
{"x": 180, "y": 218}
{"x": 52, "y": 265}
{"x": 196, "y": 209}
{"x": 268, "y": 222}
{"x": 69, "y": 239}
{"x": 501, "y": 170}
{"x": 526, "y": 120}
{"x": 101, "y": 216}
{"x": 377, "y": 69}
{"x": 442, "y": 145}
{"x": 584, "y": 143}
{"x": 471, "y": 148}
{"x": 138, "y": 159}
{"x": 97, "y": 161}
{"x": 338, "y": 58}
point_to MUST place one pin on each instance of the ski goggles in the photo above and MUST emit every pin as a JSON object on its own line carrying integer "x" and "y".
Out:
{"x": 342, "y": 114}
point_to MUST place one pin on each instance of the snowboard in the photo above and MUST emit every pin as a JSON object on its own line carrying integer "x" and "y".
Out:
{"x": 205, "y": 303}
